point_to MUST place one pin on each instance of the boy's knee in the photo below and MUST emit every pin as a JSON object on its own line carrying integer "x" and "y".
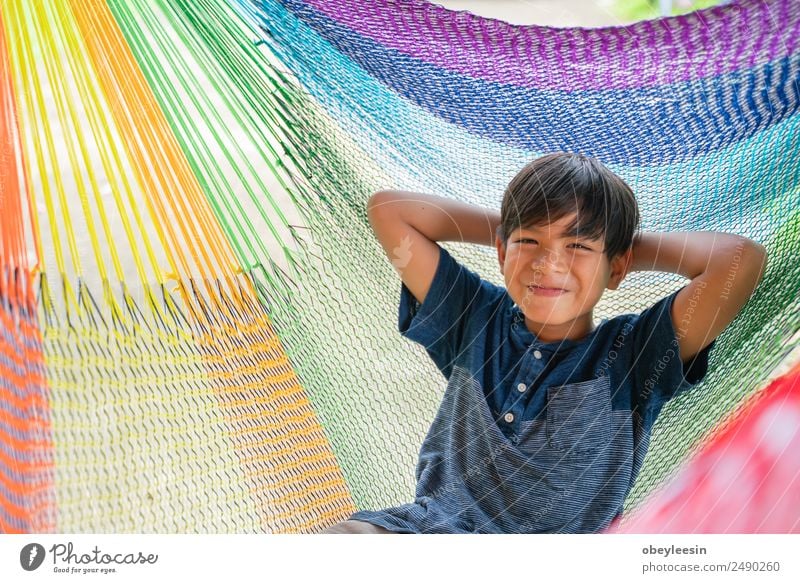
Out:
{"x": 355, "y": 527}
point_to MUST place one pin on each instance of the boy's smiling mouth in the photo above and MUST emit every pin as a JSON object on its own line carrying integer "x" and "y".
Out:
{"x": 546, "y": 291}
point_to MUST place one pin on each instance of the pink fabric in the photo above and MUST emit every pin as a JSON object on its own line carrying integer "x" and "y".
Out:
{"x": 747, "y": 480}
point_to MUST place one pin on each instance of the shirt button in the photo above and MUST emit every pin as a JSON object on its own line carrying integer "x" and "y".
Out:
{"x": 537, "y": 354}
{"x": 509, "y": 417}
{"x": 521, "y": 387}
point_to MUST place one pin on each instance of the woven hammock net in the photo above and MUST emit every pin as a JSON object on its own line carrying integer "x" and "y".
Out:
{"x": 198, "y": 326}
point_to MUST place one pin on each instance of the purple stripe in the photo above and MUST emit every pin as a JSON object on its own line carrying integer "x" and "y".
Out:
{"x": 760, "y": 38}
{"x": 775, "y": 44}
{"x": 713, "y": 41}
{"x": 740, "y": 45}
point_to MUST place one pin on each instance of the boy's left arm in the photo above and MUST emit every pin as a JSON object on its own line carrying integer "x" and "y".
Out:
{"x": 724, "y": 268}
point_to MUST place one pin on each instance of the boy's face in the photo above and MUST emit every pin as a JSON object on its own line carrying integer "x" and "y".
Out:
{"x": 537, "y": 258}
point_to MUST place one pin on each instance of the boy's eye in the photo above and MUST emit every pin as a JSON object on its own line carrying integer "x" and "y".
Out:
{"x": 573, "y": 244}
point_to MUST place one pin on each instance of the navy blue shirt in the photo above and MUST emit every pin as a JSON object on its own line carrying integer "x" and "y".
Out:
{"x": 532, "y": 437}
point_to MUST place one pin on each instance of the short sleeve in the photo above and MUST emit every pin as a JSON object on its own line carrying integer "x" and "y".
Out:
{"x": 439, "y": 324}
{"x": 658, "y": 371}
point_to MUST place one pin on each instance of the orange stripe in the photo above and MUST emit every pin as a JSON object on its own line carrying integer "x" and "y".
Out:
{"x": 35, "y": 465}
{"x": 29, "y": 427}
{"x": 169, "y": 182}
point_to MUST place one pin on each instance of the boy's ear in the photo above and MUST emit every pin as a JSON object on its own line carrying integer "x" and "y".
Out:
{"x": 620, "y": 266}
{"x": 501, "y": 251}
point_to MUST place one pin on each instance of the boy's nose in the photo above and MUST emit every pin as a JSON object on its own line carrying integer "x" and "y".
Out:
{"x": 548, "y": 260}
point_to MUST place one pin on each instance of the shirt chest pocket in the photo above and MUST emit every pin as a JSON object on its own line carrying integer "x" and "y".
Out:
{"x": 579, "y": 416}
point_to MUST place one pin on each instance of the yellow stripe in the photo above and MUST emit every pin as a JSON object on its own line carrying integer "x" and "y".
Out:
{"x": 20, "y": 46}
{"x": 167, "y": 174}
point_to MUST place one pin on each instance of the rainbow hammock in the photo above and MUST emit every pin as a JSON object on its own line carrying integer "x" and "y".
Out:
{"x": 198, "y": 327}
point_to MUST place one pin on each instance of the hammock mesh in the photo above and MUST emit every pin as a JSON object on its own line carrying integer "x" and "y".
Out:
{"x": 198, "y": 326}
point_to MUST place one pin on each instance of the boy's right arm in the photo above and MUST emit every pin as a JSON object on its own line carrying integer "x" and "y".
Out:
{"x": 408, "y": 225}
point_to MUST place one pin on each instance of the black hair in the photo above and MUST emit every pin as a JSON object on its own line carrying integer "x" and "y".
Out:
{"x": 561, "y": 183}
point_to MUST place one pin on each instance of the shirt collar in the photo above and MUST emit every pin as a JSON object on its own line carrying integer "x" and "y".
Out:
{"x": 531, "y": 341}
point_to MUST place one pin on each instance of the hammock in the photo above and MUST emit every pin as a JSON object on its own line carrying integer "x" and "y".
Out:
{"x": 198, "y": 327}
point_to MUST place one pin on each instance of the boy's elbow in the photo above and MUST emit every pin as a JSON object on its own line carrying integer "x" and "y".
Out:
{"x": 757, "y": 251}
{"x": 378, "y": 201}
{"x": 754, "y": 255}
{"x": 762, "y": 255}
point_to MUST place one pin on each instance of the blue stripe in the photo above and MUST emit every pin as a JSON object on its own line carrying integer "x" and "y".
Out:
{"x": 631, "y": 126}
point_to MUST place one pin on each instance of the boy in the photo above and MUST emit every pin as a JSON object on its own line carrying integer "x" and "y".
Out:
{"x": 546, "y": 417}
